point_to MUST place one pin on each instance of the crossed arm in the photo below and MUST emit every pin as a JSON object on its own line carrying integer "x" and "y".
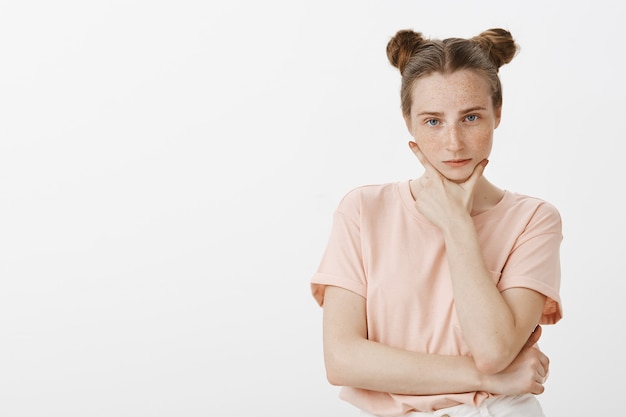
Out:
{"x": 353, "y": 360}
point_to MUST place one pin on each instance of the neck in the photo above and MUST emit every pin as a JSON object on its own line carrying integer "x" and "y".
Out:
{"x": 486, "y": 195}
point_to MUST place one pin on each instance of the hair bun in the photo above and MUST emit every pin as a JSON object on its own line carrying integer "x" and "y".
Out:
{"x": 499, "y": 45}
{"x": 401, "y": 47}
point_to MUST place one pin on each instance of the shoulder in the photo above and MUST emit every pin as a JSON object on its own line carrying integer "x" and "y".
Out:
{"x": 538, "y": 212}
{"x": 530, "y": 203}
{"x": 368, "y": 196}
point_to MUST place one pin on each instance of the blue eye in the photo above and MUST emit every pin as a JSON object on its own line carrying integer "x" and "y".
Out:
{"x": 472, "y": 118}
{"x": 432, "y": 122}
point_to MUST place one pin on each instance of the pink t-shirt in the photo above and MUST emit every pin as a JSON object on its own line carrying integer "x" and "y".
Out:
{"x": 383, "y": 249}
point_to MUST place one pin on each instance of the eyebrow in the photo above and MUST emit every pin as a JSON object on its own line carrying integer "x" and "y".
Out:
{"x": 439, "y": 114}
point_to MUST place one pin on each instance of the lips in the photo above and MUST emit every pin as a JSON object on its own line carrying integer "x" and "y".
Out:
{"x": 455, "y": 163}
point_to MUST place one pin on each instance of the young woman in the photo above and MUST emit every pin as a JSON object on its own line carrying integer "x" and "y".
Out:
{"x": 434, "y": 289}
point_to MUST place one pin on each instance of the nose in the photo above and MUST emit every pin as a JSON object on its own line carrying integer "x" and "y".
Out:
{"x": 454, "y": 138}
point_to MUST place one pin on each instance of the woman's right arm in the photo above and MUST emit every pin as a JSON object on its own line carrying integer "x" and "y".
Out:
{"x": 353, "y": 360}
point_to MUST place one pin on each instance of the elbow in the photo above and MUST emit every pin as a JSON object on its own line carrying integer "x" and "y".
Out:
{"x": 337, "y": 368}
{"x": 489, "y": 367}
{"x": 493, "y": 362}
{"x": 333, "y": 377}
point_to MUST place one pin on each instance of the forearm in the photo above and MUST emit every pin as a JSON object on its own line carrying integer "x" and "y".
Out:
{"x": 374, "y": 366}
{"x": 488, "y": 323}
{"x": 353, "y": 360}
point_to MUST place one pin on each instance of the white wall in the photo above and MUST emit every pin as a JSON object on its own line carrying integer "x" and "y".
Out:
{"x": 168, "y": 171}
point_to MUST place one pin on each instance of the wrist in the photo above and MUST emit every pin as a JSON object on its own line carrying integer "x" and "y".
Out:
{"x": 459, "y": 226}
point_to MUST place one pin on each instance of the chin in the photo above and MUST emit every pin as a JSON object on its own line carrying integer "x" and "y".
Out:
{"x": 458, "y": 178}
{"x": 458, "y": 175}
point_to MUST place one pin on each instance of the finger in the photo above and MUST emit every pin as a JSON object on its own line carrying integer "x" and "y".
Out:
{"x": 478, "y": 171}
{"x": 537, "y": 389}
{"x": 542, "y": 371}
{"x": 542, "y": 377}
{"x": 545, "y": 363}
{"x": 430, "y": 170}
{"x": 544, "y": 367}
{"x": 534, "y": 336}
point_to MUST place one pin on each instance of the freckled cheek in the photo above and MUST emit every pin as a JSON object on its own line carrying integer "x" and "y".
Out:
{"x": 484, "y": 148}
{"x": 430, "y": 147}
{"x": 483, "y": 143}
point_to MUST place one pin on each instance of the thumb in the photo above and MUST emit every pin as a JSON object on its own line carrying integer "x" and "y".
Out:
{"x": 534, "y": 336}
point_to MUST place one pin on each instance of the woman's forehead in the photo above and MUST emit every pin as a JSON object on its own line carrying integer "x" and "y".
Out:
{"x": 462, "y": 89}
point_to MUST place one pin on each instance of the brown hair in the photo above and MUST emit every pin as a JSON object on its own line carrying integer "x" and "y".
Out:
{"x": 417, "y": 57}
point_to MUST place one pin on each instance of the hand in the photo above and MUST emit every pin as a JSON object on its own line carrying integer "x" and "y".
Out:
{"x": 526, "y": 374}
{"x": 440, "y": 199}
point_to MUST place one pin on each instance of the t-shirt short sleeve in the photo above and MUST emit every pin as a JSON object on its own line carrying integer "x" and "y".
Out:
{"x": 342, "y": 261}
{"x": 534, "y": 261}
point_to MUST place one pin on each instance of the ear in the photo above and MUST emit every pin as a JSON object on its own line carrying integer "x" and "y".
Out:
{"x": 498, "y": 116}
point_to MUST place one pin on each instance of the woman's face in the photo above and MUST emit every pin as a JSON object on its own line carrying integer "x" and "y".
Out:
{"x": 452, "y": 120}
